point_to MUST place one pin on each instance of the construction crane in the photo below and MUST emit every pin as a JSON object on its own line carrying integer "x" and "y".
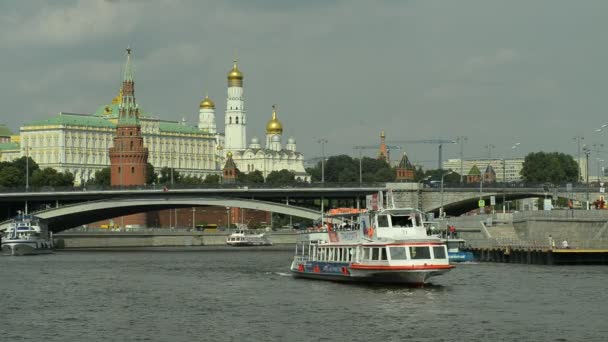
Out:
{"x": 438, "y": 142}
{"x": 370, "y": 147}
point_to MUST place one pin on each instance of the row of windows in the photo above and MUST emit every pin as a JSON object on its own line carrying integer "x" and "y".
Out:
{"x": 348, "y": 254}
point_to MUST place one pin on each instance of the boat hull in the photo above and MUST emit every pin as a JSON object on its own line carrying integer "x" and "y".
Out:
{"x": 23, "y": 248}
{"x": 460, "y": 256}
{"x": 345, "y": 272}
{"x": 248, "y": 244}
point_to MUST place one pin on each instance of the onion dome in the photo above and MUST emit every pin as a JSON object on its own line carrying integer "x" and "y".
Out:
{"x": 235, "y": 76}
{"x": 291, "y": 140}
{"x": 118, "y": 98}
{"x": 255, "y": 140}
{"x": 275, "y": 138}
{"x": 274, "y": 126}
{"x": 207, "y": 103}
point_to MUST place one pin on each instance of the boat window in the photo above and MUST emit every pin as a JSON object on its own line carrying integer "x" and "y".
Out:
{"x": 383, "y": 254}
{"x": 383, "y": 221}
{"x": 402, "y": 220}
{"x": 439, "y": 252}
{"x": 398, "y": 253}
{"x": 375, "y": 253}
{"x": 366, "y": 253}
{"x": 420, "y": 252}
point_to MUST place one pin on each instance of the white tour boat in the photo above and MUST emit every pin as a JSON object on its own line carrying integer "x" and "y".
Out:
{"x": 244, "y": 237}
{"x": 26, "y": 235}
{"x": 383, "y": 246}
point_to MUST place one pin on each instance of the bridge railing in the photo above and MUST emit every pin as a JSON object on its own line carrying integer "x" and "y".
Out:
{"x": 561, "y": 214}
{"x": 299, "y": 185}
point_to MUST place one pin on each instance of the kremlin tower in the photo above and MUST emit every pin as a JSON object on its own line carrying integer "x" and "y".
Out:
{"x": 128, "y": 156}
{"x": 383, "y": 153}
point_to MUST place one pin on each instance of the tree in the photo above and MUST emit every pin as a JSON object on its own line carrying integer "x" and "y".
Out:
{"x": 212, "y": 179}
{"x": 165, "y": 176}
{"x": 253, "y": 177}
{"x": 552, "y": 167}
{"x": 13, "y": 174}
{"x": 102, "y": 177}
{"x": 51, "y": 177}
{"x": 191, "y": 180}
{"x": 11, "y": 177}
{"x": 22, "y": 162}
{"x": 345, "y": 169}
{"x": 151, "y": 176}
{"x": 283, "y": 177}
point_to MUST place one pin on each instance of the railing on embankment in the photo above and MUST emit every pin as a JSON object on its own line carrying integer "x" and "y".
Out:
{"x": 540, "y": 255}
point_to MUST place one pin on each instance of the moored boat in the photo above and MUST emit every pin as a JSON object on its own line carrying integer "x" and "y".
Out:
{"x": 243, "y": 237}
{"x": 26, "y": 235}
{"x": 383, "y": 246}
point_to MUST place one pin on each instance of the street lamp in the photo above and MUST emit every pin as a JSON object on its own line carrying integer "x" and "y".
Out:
{"x": 504, "y": 175}
{"x": 27, "y": 173}
{"x": 461, "y": 140}
{"x": 587, "y": 153}
{"x": 443, "y": 174}
{"x": 578, "y": 140}
{"x": 322, "y": 142}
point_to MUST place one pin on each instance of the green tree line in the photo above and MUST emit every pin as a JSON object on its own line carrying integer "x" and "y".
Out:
{"x": 13, "y": 175}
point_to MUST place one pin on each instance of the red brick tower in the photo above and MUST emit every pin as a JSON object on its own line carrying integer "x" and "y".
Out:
{"x": 128, "y": 156}
{"x": 383, "y": 153}
{"x": 405, "y": 170}
{"x": 230, "y": 170}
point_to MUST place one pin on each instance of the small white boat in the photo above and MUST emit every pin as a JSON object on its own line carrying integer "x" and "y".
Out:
{"x": 385, "y": 246}
{"x": 26, "y": 235}
{"x": 244, "y": 237}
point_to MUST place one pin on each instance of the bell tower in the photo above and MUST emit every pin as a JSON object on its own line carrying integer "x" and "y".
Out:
{"x": 236, "y": 118}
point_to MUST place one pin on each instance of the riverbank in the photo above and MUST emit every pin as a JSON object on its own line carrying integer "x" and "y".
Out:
{"x": 155, "y": 238}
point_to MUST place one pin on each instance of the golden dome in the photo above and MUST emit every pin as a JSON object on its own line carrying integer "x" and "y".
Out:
{"x": 229, "y": 154}
{"x": 274, "y": 126}
{"x": 207, "y": 103}
{"x": 235, "y": 73}
{"x": 118, "y": 98}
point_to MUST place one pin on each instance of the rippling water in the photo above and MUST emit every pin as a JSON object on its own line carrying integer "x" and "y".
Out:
{"x": 232, "y": 294}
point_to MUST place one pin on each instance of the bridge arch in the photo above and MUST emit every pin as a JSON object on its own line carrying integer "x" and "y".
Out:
{"x": 70, "y": 216}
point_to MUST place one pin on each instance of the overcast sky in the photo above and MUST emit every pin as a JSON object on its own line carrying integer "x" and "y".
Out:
{"x": 498, "y": 72}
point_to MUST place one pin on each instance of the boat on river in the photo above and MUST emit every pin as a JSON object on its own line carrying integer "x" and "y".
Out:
{"x": 243, "y": 237}
{"x": 456, "y": 252}
{"x": 455, "y": 245}
{"x": 26, "y": 235}
{"x": 378, "y": 246}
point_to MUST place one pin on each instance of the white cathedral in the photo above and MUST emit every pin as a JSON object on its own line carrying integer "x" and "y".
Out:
{"x": 273, "y": 156}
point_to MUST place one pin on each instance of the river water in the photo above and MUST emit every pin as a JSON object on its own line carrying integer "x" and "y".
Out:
{"x": 232, "y": 294}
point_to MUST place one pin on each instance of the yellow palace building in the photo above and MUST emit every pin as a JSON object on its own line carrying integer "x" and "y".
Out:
{"x": 79, "y": 143}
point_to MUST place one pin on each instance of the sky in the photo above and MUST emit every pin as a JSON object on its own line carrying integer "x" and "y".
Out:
{"x": 496, "y": 72}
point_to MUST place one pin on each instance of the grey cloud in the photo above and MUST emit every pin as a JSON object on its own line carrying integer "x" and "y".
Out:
{"x": 344, "y": 70}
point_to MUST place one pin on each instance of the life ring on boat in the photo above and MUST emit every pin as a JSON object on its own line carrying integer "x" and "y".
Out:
{"x": 301, "y": 267}
{"x": 345, "y": 270}
{"x": 370, "y": 232}
{"x": 316, "y": 269}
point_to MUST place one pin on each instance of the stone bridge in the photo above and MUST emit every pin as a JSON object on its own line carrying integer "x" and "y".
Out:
{"x": 70, "y": 216}
{"x": 457, "y": 201}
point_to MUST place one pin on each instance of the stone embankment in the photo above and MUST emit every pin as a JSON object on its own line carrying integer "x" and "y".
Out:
{"x": 581, "y": 229}
{"x": 155, "y": 238}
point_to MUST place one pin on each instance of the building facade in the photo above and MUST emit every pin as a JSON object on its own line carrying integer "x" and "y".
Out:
{"x": 505, "y": 170}
{"x": 79, "y": 143}
{"x": 273, "y": 155}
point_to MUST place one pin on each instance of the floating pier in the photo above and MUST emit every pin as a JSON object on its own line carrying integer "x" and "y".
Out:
{"x": 541, "y": 256}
